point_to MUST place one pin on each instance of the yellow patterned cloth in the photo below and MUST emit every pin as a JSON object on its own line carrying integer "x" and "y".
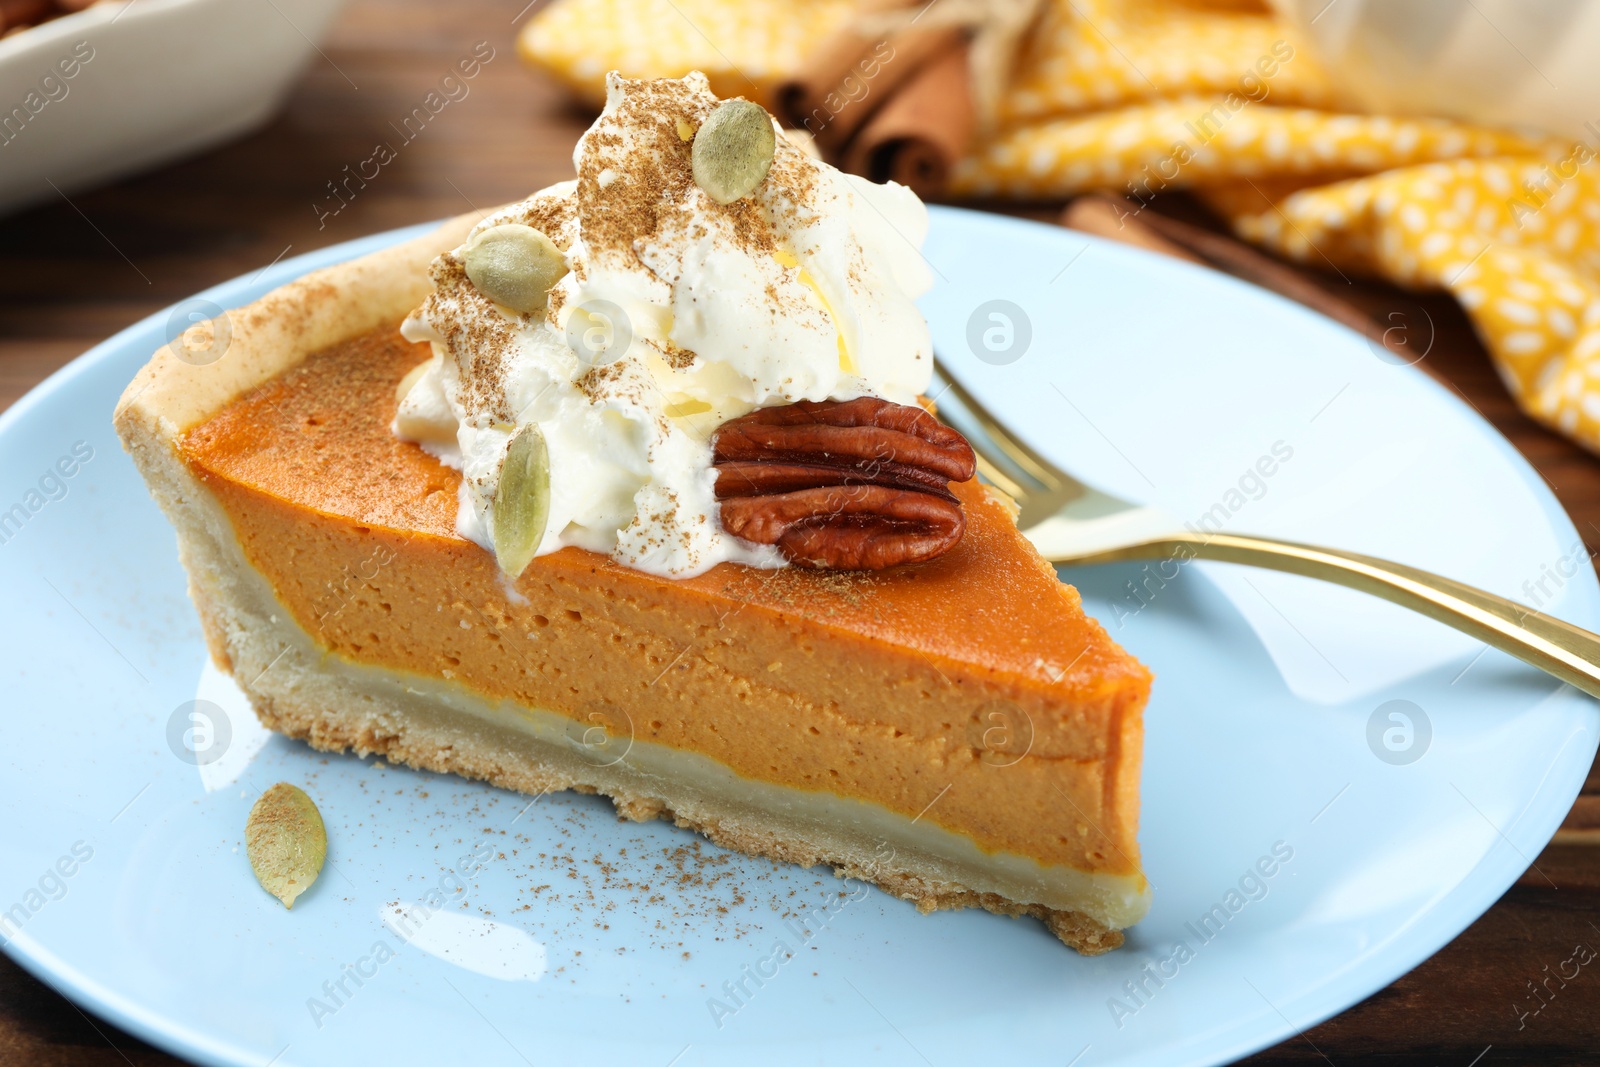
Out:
{"x": 742, "y": 46}
{"x": 1218, "y": 96}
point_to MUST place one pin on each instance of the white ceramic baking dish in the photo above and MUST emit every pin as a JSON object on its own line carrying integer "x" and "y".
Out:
{"x": 126, "y": 85}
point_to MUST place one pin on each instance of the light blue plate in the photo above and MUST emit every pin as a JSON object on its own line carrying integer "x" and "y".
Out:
{"x": 1272, "y": 743}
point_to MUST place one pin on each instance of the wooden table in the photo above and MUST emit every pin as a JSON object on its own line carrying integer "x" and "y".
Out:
{"x": 71, "y": 274}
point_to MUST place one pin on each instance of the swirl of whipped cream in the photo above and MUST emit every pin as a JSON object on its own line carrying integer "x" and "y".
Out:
{"x": 677, "y": 314}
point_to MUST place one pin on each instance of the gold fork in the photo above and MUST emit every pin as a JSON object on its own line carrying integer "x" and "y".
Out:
{"x": 1070, "y": 522}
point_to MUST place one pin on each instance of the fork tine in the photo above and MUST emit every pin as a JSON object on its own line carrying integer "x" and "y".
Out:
{"x": 991, "y": 471}
{"x": 1010, "y": 449}
{"x": 991, "y": 459}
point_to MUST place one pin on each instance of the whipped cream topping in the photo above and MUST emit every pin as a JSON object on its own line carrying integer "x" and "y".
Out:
{"x": 677, "y": 314}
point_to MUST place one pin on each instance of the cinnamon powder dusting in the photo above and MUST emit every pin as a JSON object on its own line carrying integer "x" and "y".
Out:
{"x": 635, "y": 189}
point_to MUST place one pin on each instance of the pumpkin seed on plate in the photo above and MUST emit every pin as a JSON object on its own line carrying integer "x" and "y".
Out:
{"x": 522, "y": 500}
{"x": 286, "y": 842}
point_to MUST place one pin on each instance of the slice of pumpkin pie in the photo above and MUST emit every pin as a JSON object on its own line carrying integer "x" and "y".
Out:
{"x": 629, "y": 488}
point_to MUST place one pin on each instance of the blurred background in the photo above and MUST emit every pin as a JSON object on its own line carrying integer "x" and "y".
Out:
{"x": 1421, "y": 170}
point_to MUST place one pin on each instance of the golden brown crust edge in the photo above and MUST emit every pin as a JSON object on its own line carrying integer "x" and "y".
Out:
{"x": 170, "y": 395}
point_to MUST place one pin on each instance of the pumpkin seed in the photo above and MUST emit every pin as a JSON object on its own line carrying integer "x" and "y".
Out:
{"x": 733, "y": 150}
{"x": 522, "y": 500}
{"x": 514, "y": 265}
{"x": 286, "y": 842}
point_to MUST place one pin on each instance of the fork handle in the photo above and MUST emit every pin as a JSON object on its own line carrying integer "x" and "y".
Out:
{"x": 1568, "y": 652}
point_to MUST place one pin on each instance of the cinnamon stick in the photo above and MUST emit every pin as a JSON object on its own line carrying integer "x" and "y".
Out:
{"x": 852, "y": 75}
{"x": 797, "y": 95}
{"x": 919, "y": 134}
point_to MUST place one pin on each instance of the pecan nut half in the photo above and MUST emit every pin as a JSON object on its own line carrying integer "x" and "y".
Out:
{"x": 854, "y": 485}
